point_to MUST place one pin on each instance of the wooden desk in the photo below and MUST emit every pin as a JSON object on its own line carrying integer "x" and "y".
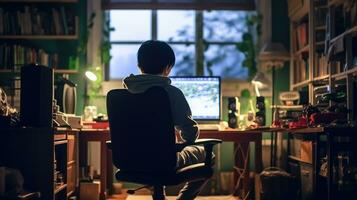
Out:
{"x": 97, "y": 135}
{"x": 241, "y": 141}
{"x": 240, "y": 138}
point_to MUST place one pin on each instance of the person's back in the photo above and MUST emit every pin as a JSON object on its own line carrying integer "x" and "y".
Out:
{"x": 155, "y": 61}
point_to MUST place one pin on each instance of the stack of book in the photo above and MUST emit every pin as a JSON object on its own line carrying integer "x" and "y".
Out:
{"x": 14, "y": 56}
{"x": 37, "y": 20}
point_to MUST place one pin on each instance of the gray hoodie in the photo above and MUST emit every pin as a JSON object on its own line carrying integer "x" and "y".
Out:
{"x": 180, "y": 109}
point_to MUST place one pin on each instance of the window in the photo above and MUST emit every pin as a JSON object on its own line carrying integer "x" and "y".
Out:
{"x": 221, "y": 31}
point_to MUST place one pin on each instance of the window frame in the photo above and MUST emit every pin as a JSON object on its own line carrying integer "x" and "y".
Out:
{"x": 199, "y": 43}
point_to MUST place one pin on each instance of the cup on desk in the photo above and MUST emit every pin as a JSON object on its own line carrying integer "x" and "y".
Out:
{"x": 90, "y": 112}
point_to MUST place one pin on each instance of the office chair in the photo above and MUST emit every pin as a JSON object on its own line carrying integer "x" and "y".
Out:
{"x": 143, "y": 141}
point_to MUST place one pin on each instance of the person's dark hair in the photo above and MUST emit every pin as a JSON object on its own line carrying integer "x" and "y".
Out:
{"x": 154, "y": 56}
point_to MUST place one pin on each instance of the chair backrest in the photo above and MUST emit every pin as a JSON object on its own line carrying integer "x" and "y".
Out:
{"x": 142, "y": 130}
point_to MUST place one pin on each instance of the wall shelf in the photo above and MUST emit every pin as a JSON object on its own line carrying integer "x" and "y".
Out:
{"x": 302, "y": 50}
{"x": 343, "y": 75}
{"x": 301, "y": 84}
{"x": 320, "y": 28}
{"x": 40, "y": 1}
{"x": 320, "y": 43}
{"x": 56, "y": 71}
{"x": 39, "y": 37}
{"x": 349, "y": 31}
{"x": 321, "y": 77}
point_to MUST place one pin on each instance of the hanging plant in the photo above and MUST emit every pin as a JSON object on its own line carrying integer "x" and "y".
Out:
{"x": 74, "y": 61}
{"x": 106, "y": 45}
{"x": 248, "y": 46}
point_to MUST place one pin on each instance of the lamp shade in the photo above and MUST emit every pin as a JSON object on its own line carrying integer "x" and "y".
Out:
{"x": 273, "y": 55}
{"x": 261, "y": 81}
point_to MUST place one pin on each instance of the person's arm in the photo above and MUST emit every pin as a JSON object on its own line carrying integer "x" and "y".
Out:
{"x": 182, "y": 116}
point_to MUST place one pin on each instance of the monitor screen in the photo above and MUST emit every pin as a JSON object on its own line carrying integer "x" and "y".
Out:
{"x": 203, "y": 94}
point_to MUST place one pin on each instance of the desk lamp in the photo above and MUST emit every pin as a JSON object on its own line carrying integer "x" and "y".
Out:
{"x": 272, "y": 56}
{"x": 91, "y": 75}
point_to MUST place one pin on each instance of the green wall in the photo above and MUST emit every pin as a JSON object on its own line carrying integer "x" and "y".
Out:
{"x": 281, "y": 33}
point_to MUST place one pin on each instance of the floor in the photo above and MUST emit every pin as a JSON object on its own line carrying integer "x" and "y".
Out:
{"x": 144, "y": 195}
{"x": 148, "y": 197}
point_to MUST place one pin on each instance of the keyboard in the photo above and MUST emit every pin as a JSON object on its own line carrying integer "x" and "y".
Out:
{"x": 215, "y": 127}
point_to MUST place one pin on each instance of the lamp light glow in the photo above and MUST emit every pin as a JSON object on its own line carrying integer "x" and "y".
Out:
{"x": 91, "y": 76}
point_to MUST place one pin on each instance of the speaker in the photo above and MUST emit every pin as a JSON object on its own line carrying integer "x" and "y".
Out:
{"x": 260, "y": 115}
{"x": 233, "y": 111}
{"x": 36, "y": 96}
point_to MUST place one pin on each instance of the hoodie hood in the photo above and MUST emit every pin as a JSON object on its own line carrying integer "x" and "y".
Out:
{"x": 140, "y": 83}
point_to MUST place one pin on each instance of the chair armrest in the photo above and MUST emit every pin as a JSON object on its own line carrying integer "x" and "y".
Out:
{"x": 208, "y": 141}
{"x": 204, "y": 142}
{"x": 207, "y": 144}
{"x": 109, "y": 144}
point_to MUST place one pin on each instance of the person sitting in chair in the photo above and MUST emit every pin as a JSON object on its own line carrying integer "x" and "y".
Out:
{"x": 155, "y": 61}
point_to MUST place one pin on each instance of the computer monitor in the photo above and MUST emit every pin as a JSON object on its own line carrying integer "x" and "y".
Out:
{"x": 203, "y": 94}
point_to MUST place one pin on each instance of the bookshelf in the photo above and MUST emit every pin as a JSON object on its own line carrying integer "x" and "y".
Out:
{"x": 315, "y": 26}
{"x": 328, "y": 50}
{"x": 343, "y": 62}
{"x": 300, "y": 44}
{"x": 47, "y": 159}
{"x": 56, "y": 71}
{"x": 38, "y": 31}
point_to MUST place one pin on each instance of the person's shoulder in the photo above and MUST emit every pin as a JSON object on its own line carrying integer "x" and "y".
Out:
{"x": 174, "y": 91}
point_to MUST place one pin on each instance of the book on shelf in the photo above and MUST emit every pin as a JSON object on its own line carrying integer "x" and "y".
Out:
{"x": 14, "y": 56}
{"x": 320, "y": 16}
{"x": 37, "y": 20}
{"x": 302, "y": 37}
{"x": 320, "y": 36}
{"x": 321, "y": 67}
{"x": 301, "y": 70}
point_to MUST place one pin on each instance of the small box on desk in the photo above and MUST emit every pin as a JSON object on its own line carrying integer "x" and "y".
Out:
{"x": 89, "y": 190}
{"x": 96, "y": 125}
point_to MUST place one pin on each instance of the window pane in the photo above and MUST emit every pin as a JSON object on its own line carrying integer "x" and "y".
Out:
{"x": 124, "y": 61}
{"x": 185, "y": 60}
{"x": 174, "y": 25}
{"x": 225, "y": 61}
{"x": 134, "y": 25}
{"x": 224, "y": 25}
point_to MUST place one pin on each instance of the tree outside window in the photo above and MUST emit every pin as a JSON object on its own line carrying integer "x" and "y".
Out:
{"x": 220, "y": 30}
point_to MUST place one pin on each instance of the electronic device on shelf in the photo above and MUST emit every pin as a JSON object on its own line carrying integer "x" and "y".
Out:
{"x": 290, "y": 110}
{"x": 289, "y": 98}
{"x": 203, "y": 94}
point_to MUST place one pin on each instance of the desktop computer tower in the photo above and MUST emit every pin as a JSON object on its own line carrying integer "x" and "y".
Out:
{"x": 36, "y": 96}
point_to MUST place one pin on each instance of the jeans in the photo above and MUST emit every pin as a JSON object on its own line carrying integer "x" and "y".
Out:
{"x": 188, "y": 156}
